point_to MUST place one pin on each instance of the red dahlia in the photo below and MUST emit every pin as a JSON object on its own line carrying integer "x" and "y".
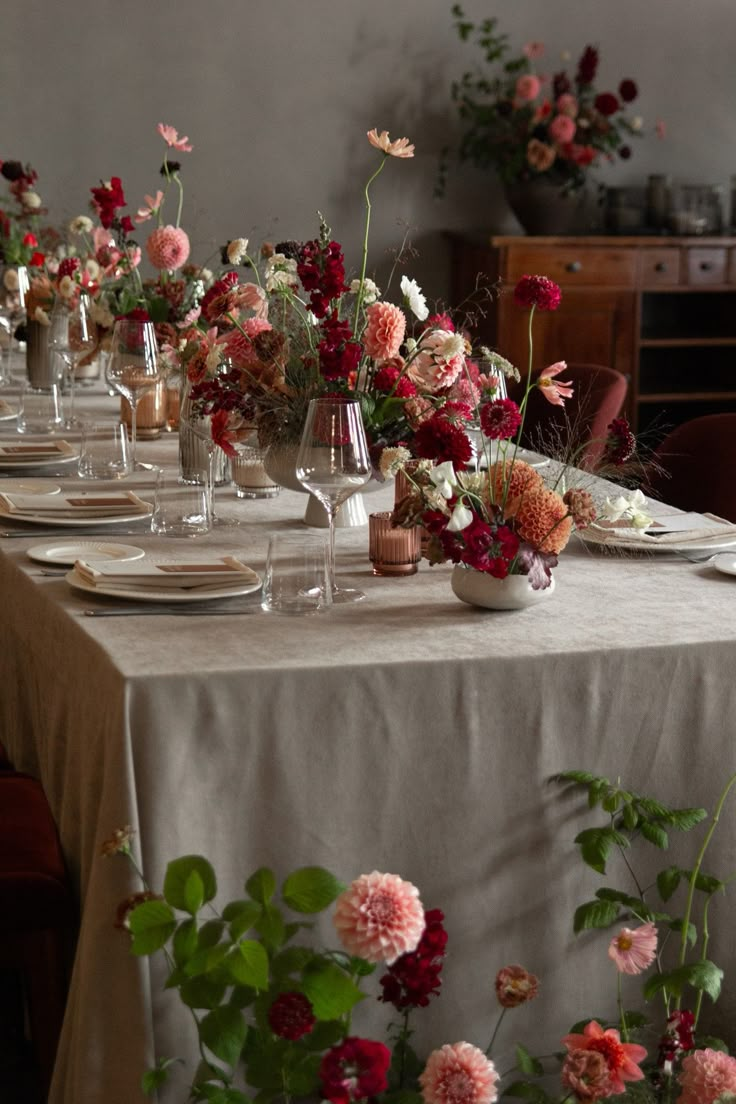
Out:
{"x": 628, "y": 90}
{"x": 539, "y": 292}
{"x": 438, "y": 439}
{"x": 290, "y": 1016}
{"x": 606, "y": 103}
{"x": 500, "y": 418}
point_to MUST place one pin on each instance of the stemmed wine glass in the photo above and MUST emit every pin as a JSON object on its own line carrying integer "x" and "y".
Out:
{"x": 333, "y": 463}
{"x": 133, "y": 367}
{"x": 70, "y": 336}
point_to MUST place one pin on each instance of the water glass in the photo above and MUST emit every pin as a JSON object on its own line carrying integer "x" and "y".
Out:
{"x": 297, "y": 574}
{"x": 180, "y": 509}
{"x": 40, "y": 409}
{"x": 105, "y": 451}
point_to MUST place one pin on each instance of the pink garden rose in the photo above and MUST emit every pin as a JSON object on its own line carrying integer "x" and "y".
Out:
{"x": 384, "y": 331}
{"x": 562, "y": 129}
{"x": 706, "y": 1075}
{"x": 528, "y": 87}
{"x": 168, "y": 248}
{"x": 459, "y": 1074}
{"x": 379, "y": 917}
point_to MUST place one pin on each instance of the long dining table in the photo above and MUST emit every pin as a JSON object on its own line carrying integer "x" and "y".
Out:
{"x": 407, "y": 733}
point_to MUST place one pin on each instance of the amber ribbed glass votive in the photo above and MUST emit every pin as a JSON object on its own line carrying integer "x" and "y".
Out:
{"x": 392, "y": 551}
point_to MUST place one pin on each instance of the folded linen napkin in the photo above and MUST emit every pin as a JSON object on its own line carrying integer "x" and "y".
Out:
{"x": 5, "y": 408}
{"x": 706, "y": 529}
{"x": 105, "y": 504}
{"x": 207, "y": 574}
{"x": 30, "y": 451}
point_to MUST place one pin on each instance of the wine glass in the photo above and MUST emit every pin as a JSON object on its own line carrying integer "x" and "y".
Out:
{"x": 485, "y": 451}
{"x": 132, "y": 368}
{"x": 71, "y": 335}
{"x": 333, "y": 463}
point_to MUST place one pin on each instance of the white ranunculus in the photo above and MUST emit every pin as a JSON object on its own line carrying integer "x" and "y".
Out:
{"x": 392, "y": 460}
{"x": 30, "y": 200}
{"x": 414, "y": 299}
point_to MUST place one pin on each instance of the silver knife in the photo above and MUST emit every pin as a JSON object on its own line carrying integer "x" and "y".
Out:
{"x": 58, "y": 531}
{"x": 168, "y": 611}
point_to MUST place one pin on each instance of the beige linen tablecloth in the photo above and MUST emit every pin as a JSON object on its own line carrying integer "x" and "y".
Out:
{"x": 408, "y": 733}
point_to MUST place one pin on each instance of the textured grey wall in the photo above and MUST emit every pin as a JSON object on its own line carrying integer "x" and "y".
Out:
{"x": 276, "y": 96}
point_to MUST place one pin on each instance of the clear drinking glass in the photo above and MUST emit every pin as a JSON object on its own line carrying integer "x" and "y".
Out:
{"x": 333, "y": 463}
{"x": 71, "y": 334}
{"x": 133, "y": 367}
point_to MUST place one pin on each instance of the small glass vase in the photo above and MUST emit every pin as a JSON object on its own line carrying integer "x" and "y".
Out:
{"x": 193, "y": 452}
{"x": 478, "y": 588}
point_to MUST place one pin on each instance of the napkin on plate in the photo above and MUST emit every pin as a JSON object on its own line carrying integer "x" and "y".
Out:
{"x": 81, "y": 505}
{"x": 28, "y": 452}
{"x": 5, "y": 408}
{"x": 704, "y": 529}
{"x": 207, "y": 574}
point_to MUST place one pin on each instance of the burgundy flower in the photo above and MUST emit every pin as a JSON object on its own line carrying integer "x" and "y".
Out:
{"x": 12, "y": 170}
{"x": 389, "y": 379}
{"x": 624, "y": 153}
{"x": 68, "y": 266}
{"x": 107, "y": 200}
{"x": 560, "y": 85}
{"x": 321, "y": 270}
{"x": 515, "y": 986}
{"x": 415, "y": 977}
{"x": 290, "y": 1016}
{"x": 621, "y": 443}
{"x": 215, "y": 300}
{"x": 500, "y": 418}
{"x": 678, "y": 1036}
{"x": 628, "y": 90}
{"x": 606, "y": 103}
{"x": 354, "y": 1070}
{"x": 438, "y": 439}
{"x": 339, "y": 355}
{"x": 439, "y": 322}
{"x": 539, "y": 292}
{"x": 587, "y": 66}
{"x": 127, "y": 225}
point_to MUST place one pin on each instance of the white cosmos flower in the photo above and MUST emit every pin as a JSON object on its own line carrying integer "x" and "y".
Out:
{"x": 443, "y": 477}
{"x": 81, "y": 225}
{"x": 461, "y": 518}
{"x": 371, "y": 291}
{"x": 414, "y": 299}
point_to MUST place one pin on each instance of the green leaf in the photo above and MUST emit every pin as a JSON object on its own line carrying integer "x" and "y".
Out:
{"x": 595, "y": 914}
{"x": 705, "y": 976}
{"x": 216, "y": 1094}
{"x": 667, "y": 881}
{"x": 210, "y": 934}
{"x": 595, "y": 846}
{"x": 177, "y": 874}
{"x": 324, "y": 1035}
{"x": 247, "y": 964}
{"x": 206, "y": 960}
{"x": 185, "y": 941}
{"x": 630, "y": 816}
{"x": 526, "y": 1091}
{"x": 152, "y": 924}
{"x": 193, "y": 893}
{"x": 154, "y": 1078}
{"x": 261, "y": 885}
{"x": 581, "y": 778}
{"x": 655, "y": 834}
{"x": 527, "y": 1063}
{"x": 202, "y": 992}
{"x": 270, "y": 927}
{"x": 241, "y": 916}
{"x": 311, "y": 889}
{"x": 331, "y": 991}
{"x": 706, "y": 883}
{"x": 596, "y": 791}
{"x": 290, "y": 961}
{"x": 676, "y": 926}
{"x": 223, "y": 1031}
{"x": 685, "y": 819}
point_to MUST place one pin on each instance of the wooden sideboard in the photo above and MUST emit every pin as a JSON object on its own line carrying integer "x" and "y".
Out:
{"x": 662, "y": 310}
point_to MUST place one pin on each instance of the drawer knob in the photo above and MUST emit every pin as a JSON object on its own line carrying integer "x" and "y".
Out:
{"x": 705, "y": 266}
{"x": 574, "y": 266}
{"x": 660, "y": 266}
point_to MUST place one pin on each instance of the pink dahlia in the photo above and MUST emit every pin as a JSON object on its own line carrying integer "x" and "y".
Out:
{"x": 554, "y": 391}
{"x": 706, "y": 1075}
{"x": 621, "y": 1058}
{"x": 539, "y": 292}
{"x": 379, "y": 917}
{"x": 459, "y": 1074}
{"x": 439, "y": 360}
{"x": 384, "y": 331}
{"x": 634, "y": 949}
{"x": 168, "y": 248}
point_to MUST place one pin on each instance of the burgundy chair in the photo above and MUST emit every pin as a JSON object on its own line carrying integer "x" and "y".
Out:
{"x": 695, "y": 466}
{"x": 576, "y": 432}
{"x": 37, "y": 912}
{"x": 5, "y": 763}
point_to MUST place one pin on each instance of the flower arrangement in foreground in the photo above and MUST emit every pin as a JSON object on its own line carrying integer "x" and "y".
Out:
{"x": 281, "y": 1009}
{"x": 528, "y": 125}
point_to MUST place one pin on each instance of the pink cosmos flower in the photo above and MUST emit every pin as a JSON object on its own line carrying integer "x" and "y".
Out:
{"x": 706, "y": 1075}
{"x": 585, "y": 1072}
{"x": 533, "y": 50}
{"x": 562, "y": 129}
{"x": 172, "y": 139}
{"x": 634, "y": 949}
{"x": 621, "y": 1058}
{"x": 379, "y": 917}
{"x": 554, "y": 392}
{"x": 249, "y": 297}
{"x": 189, "y": 318}
{"x": 400, "y": 147}
{"x": 152, "y": 205}
{"x": 168, "y": 248}
{"x": 459, "y": 1073}
{"x": 384, "y": 332}
{"x": 528, "y": 87}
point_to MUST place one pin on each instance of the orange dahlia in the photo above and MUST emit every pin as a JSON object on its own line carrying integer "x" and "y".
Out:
{"x": 542, "y": 520}
{"x": 512, "y": 479}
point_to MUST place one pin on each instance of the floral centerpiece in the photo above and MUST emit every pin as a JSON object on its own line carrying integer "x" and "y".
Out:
{"x": 20, "y": 216}
{"x": 269, "y": 1003}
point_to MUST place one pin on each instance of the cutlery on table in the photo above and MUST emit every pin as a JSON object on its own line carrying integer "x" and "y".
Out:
{"x": 170, "y": 611}
{"x": 108, "y": 531}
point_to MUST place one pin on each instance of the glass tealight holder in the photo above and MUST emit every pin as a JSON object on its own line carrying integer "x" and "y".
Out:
{"x": 392, "y": 551}
{"x": 249, "y": 476}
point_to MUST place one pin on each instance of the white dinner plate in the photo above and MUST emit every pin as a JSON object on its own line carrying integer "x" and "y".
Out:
{"x": 714, "y": 544}
{"x": 165, "y": 594}
{"x": 89, "y": 522}
{"x": 726, "y": 563}
{"x": 533, "y": 459}
{"x": 29, "y": 487}
{"x": 45, "y": 462}
{"x": 66, "y": 552}
{"x": 10, "y": 417}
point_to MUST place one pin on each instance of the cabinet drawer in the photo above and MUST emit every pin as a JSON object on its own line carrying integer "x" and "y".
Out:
{"x": 573, "y": 266}
{"x": 732, "y": 266}
{"x": 659, "y": 267}
{"x": 706, "y": 266}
